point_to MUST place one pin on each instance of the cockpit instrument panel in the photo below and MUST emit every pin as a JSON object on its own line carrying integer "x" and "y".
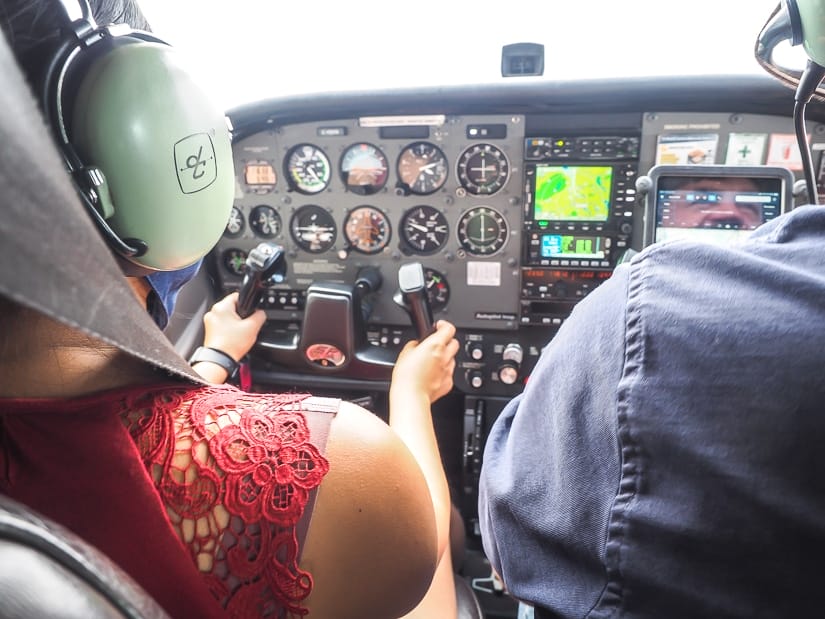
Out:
{"x": 444, "y": 193}
{"x": 515, "y": 218}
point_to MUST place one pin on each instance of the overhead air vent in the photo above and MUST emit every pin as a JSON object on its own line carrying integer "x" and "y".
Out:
{"x": 519, "y": 59}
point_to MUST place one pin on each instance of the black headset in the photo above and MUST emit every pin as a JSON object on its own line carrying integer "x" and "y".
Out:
{"x": 149, "y": 152}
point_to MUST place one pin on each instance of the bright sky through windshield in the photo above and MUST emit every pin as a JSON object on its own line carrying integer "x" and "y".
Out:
{"x": 251, "y": 49}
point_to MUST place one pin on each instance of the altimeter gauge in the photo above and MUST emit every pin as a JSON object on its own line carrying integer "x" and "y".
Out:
{"x": 422, "y": 168}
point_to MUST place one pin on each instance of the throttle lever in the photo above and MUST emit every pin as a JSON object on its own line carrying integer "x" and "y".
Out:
{"x": 265, "y": 264}
{"x": 412, "y": 296}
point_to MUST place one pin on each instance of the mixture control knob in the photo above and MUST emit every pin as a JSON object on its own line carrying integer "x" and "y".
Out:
{"x": 511, "y": 358}
{"x": 475, "y": 379}
{"x": 475, "y": 351}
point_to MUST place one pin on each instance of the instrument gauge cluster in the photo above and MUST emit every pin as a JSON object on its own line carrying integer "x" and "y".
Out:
{"x": 346, "y": 194}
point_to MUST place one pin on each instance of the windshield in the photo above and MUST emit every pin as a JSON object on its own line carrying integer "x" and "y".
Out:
{"x": 254, "y": 49}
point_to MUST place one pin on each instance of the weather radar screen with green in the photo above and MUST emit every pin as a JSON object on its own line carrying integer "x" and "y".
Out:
{"x": 572, "y": 193}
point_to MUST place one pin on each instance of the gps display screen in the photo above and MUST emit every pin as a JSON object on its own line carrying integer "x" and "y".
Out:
{"x": 572, "y": 193}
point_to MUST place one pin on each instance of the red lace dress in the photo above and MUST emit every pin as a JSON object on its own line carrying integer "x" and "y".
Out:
{"x": 202, "y": 494}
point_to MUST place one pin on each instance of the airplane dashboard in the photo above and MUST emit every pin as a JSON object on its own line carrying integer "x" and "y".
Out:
{"x": 515, "y": 214}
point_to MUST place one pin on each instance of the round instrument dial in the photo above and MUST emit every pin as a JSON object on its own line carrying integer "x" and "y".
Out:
{"x": 422, "y": 168}
{"x": 483, "y": 169}
{"x": 438, "y": 290}
{"x": 482, "y": 231}
{"x": 265, "y": 221}
{"x": 364, "y": 168}
{"x": 424, "y": 229}
{"x": 234, "y": 261}
{"x": 313, "y": 229}
{"x": 235, "y": 224}
{"x": 367, "y": 229}
{"x": 308, "y": 169}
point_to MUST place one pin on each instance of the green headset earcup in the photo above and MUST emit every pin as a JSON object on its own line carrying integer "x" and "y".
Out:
{"x": 163, "y": 147}
{"x": 812, "y": 15}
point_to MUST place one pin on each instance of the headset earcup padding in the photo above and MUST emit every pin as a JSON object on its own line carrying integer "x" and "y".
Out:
{"x": 163, "y": 147}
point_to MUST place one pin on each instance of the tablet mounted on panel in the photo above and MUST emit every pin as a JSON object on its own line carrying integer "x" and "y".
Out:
{"x": 713, "y": 203}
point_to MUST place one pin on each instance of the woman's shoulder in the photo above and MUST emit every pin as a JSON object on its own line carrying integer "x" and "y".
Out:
{"x": 373, "y": 523}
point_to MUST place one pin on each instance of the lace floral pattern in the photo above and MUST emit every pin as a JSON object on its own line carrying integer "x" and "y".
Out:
{"x": 234, "y": 471}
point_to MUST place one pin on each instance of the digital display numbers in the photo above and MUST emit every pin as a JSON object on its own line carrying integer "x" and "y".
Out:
{"x": 572, "y": 246}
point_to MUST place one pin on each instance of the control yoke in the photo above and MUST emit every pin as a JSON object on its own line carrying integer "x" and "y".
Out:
{"x": 412, "y": 296}
{"x": 265, "y": 265}
{"x": 333, "y": 334}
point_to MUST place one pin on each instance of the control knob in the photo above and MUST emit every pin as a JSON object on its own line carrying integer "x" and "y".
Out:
{"x": 475, "y": 351}
{"x": 511, "y": 358}
{"x": 475, "y": 379}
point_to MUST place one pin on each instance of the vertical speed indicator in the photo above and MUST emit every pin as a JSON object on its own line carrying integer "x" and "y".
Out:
{"x": 424, "y": 229}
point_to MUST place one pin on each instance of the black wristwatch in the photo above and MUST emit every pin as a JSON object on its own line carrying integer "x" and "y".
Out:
{"x": 218, "y": 357}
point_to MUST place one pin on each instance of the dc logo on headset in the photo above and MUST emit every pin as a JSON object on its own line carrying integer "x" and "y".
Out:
{"x": 195, "y": 163}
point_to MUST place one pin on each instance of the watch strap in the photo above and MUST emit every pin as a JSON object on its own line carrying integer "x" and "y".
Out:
{"x": 218, "y": 357}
